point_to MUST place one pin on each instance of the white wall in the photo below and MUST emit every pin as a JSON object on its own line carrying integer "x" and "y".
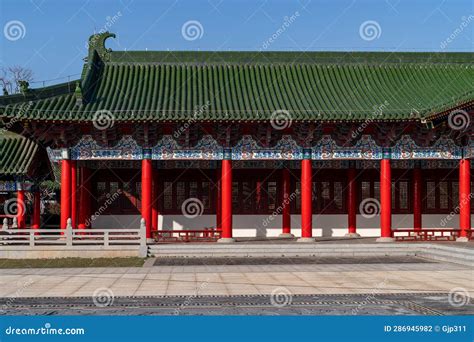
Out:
{"x": 264, "y": 226}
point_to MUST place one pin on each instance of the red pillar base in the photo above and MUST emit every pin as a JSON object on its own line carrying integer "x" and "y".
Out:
{"x": 286, "y": 235}
{"x": 306, "y": 239}
{"x": 352, "y": 235}
{"x": 385, "y": 239}
{"x": 226, "y": 240}
{"x": 462, "y": 239}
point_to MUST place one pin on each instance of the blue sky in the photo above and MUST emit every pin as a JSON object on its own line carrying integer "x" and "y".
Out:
{"x": 51, "y": 35}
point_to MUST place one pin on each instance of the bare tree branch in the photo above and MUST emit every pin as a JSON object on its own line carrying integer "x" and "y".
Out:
{"x": 11, "y": 76}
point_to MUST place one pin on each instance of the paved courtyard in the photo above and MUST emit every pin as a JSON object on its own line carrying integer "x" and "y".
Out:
{"x": 411, "y": 286}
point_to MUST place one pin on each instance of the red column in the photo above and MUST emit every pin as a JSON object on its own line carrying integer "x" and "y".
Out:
{"x": 74, "y": 193}
{"x": 21, "y": 208}
{"x": 417, "y": 183}
{"x": 154, "y": 208}
{"x": 84, "y": 198}
{"x": 226, "y": 194}
{"x": 147, "y": 180}
{"x": 219, "y": 203}
{"x": 285, "y": 203}
{"x": 65, "y": 192}
{"x": 464, "y": 199}
{"x": 306, "y": 201}
{"x": 36, "y": 210}
{"x": 352, "y": 202}
{"x": 385, "y": 201}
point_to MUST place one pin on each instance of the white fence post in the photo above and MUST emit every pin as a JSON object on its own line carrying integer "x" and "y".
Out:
{"x": 5, "y": 224}
{"x": 69, "y": 232}
{"x": 143, "y": 250}
{"x": 15, "y": 223}
{"x": 142, "y": 232}
{"x": 106, "y": 238}
{"x": 32, "y": 238}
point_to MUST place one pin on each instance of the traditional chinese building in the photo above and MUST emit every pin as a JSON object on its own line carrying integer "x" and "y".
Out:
{"x": 23, "y": 165}
{"x": 259, "y": 144}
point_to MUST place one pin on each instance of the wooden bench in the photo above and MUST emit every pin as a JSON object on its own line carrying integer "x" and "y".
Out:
{"x": 200, "y": 235}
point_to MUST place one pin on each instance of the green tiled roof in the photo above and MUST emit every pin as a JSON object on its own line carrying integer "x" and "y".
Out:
{"x": 227, "y": 86}
{"x": 17, "y": 154}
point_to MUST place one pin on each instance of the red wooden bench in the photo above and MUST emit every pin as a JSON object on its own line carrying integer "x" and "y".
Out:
{"x": 201, "y": 235}
{"x": 427, "y": 234}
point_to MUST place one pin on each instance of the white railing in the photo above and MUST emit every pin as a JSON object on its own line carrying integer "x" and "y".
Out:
{"x": 12, "y": 235}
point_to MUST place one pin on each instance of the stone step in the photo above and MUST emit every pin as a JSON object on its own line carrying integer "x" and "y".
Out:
{"x": 451, "y": 248}
{"x": 451, "y": 255}
{"x": 445, "y": 253}
{"x": 450, "y": 259}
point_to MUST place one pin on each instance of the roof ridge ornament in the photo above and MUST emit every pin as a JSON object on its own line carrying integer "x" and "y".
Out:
{"x": 78, "y": 94}
{"x": 97, "y": 44}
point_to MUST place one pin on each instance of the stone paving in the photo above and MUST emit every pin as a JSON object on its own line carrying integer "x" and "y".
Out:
{"x": 415, "y": 279}
{"x": 433, "y": 304}
{"x": 176, "y": 261}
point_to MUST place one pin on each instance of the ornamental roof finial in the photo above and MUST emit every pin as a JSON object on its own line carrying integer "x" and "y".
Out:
{"x": 97, "y": 44}
{"x": 24, "y": 86}
{"x": 78, "y": 94}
